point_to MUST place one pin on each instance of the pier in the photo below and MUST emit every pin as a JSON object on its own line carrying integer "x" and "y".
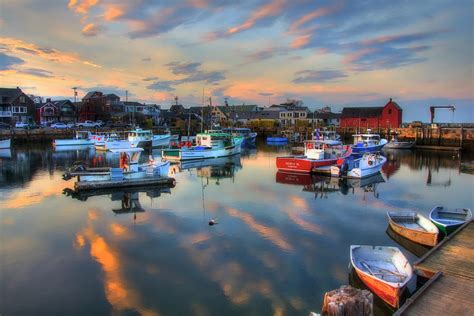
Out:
{"x": 450, "y": 269}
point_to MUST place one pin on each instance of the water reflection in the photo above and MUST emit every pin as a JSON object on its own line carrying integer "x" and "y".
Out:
{"x": 282, "y": 240}
{"x": 415, "y": 248}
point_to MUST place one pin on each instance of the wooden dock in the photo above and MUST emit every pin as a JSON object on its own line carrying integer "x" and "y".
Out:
{"x": 442, "y": 148}
{"x": 450, "y": 267}
{"x": 94, "y": 185}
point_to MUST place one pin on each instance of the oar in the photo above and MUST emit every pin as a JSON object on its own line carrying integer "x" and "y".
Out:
{"x": 381, "y": 269}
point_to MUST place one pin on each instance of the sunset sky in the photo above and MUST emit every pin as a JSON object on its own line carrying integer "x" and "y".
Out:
{"x": 336, "y": 53}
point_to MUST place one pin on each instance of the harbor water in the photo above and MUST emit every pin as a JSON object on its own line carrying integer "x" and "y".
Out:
{"x": 281, "y": 240}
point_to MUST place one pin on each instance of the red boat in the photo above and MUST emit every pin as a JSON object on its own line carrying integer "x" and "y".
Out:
{"x": 316, "y": 154}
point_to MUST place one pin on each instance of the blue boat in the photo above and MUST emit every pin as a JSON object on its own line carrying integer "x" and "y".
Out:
{"x": 367, "y": 143}
{"x": 277, "y": 140}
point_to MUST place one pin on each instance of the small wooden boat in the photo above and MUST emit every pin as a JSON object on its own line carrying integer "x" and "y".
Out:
{"x": 5, "y": 144}
{"x": 414, "y": 226}
{"x": 316, "y": 154}
{"x": 370, "y": 164}
{"x": 448, "y": 220}
{"x": 385, "y": 270}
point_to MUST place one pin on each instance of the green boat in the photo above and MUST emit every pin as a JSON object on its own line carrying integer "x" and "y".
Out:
{"x": 448, "y": 220}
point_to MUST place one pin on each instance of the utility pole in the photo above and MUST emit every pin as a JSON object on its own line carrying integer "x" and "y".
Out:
{"x": 75, "y": 93}
{"x": 202, "y": 110}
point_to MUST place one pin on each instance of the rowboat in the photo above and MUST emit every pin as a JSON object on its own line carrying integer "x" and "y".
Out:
{"x": 414, "y": 226}
{"x": 5, "y": 144}
{"x": 384, "y": 270}
{"x": 82, "y": 138}
{"x": 316, "y": 154}
{"x": 448, "y": 220}
{"x": 367, "y": 143}
{"x": 208, "y": 145}
{"x": 370, "y": 164}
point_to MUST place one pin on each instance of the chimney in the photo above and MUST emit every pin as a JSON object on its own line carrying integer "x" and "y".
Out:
{"x": 390, "y": 99}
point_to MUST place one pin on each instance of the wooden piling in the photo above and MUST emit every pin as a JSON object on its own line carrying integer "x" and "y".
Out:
{"x": 348, "y": 301}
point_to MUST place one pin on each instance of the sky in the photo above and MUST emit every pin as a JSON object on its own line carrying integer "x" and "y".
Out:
{"x": 325, "y": 53}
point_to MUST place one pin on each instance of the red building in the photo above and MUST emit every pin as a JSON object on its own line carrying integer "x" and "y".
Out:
{"x": 97, "y": 106}
{"x": 388, "y": 116}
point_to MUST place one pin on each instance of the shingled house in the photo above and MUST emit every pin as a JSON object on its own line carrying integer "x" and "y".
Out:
{"x": 388, "y": 116}
{"x": 15, "y": 106}
{"x": 97, "y": 106}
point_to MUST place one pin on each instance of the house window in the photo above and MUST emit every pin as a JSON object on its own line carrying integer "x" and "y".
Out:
{"x": 22, "y": 99}
{"x": 389, "y": 111}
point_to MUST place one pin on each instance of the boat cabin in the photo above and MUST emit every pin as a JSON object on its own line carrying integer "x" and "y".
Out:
{"x": 140, "y": 135}
{"x": 129, "y": 158}
{"x": 238, "y": 131}
{"x": 83, "y": 135}
{"x": 364, "y": 140}
{"x": 319, "y": 150}
{"x": 325, "y": 135}
{"x": 214, "y": 140}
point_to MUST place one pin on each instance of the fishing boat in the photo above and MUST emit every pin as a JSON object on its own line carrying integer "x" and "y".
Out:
{"x": 384, "y": 270}
{"x": 330, "y": 137}
{"x": 82, "y": 138}
{"x": 208, "y": 145}
{"x": 448, "y": 220}
{"x": 161, "y": 140}
{"x": 246, "y": 133}
{"x": 367, "y": 143}
{"x": 395, "y": 144}
{"x": 127, "y": 173}
{"x": 316, "y": 155}
{"x": 140, "y": 138}
{"x": 414, "y": 226}
{"x": 112, "y": 142}
{"x": 368, "y": 165}
{"x": 5, "y": 144}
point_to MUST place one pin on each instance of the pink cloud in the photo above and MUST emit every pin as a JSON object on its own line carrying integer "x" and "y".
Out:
{"x": 300, "y": 41}
{"x": 82, "y": 7}
{"x": 90, "y": 29}
{"x": 295, "y": 26}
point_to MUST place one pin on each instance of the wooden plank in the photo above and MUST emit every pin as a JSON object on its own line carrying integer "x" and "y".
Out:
{"x": 441, "y": 295}
{"x": 453, "y": 256}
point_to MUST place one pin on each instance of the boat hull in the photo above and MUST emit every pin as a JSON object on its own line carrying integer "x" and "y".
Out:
{"x": 451, "y": 221}
{"x": 420, "y": 237}
{"x": 192, "y": 154}
{"x": 5, "y": 144}
{"x": 368, "y": 149}
{"x": 389, "y": 294}
{"x": 400, "y": 145}
{"x": 366, "y": 172}
{"x": 160, "y": 140}
{"x": 303, "y": 164}
{"x": 72, "y": 142}
{"x": 109, "y": 145}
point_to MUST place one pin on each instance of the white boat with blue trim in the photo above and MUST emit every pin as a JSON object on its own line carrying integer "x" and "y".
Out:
{"x": 82, "y": 138}
{"x": 367, "y": 143}
{"x": 366, "y": 166}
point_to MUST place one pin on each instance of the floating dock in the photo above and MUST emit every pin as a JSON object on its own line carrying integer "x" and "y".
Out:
{"x": 450, "y": 267}
{"x": 94, "y": 185}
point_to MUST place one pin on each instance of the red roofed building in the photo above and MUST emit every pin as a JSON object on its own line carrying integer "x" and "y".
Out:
{"x": 388, "y": 116}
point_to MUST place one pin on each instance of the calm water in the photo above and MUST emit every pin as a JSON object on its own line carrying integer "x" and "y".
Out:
{"x": 282, "y": 241}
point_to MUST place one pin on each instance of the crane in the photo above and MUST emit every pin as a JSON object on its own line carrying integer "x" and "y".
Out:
{"x": 432, "y": 110}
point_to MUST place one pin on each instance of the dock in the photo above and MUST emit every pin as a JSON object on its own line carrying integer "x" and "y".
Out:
{"x": 153, "y": 181}
{"x": 450, "y": 269}
{"x": 442, "y": 148}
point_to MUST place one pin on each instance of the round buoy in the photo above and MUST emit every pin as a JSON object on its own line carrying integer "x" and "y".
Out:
{"x": 212, "y": 222}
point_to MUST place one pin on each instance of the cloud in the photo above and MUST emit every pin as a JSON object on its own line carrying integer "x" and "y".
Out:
{"x": 162, "y": 85}
{"x": 315, "y": 76}
{"x": 91, "y": 29}
{"x": 150, "y": 79}
{"x": 265, "y": 94}
{"x": 6, "y": 61}
{"x": 178, "y": 68}
{"x": 36, "y": 72}
{"x": 146, "y": 59}
{"x": 27, "y": 50}
{"x": 81, "y": 6}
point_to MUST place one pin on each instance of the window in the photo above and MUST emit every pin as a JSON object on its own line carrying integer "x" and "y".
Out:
{"x": 22, "y": 99}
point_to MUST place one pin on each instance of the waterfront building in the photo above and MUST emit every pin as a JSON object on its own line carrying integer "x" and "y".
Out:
{"x": 388, "y": 116}
{"x": 55, "y": 111}
{"x": 15, "y": 106}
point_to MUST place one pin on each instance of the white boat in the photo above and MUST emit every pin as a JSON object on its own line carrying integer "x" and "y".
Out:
{"x": 399, "y": 145}
{"x": 367, "y": 143}
{"x": 161, "y": 140}
{"x": 385, "y": 270}
{"x": 129, "y": 168}
{"x": 82, "y": 138}
{"x": 246, "y": 133}
{"x": 140, "y": 138}
{"x": 112, "y": 142}
{"x": 208, "y": 145}
{"x": 366, "y": 166}
{"x": 414, "y": 226}
{"x": 5, "y": 144}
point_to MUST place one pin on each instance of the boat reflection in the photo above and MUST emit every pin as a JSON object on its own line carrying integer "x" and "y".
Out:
{"x": 73, "y": 148}
{"x": 415, "y": 248}
{"x": 216, "y": 168}
{"x": 323, "y": 185}
{"x": 5, "y": 153}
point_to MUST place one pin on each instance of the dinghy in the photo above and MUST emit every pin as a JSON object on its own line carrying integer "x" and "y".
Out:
{"x": 448, "y": 220}
{"x": 414, "y": 226}
{"x": 384, "y": 270}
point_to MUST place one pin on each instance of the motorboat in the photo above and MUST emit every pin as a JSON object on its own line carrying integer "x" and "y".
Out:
{"x": 369, "y": 142}
{"x": 82, "y": 138}
{"x": 246, "y": 133}
{"x": 414, "y": 226}
{"x": 448, "y": 220}
{"x": 161, "y": 140}
{"x": 140, "y": 138}
{"x": 316, "y": 154}
{"x": 368, "y": 165}
{"x": 394, "y": 143}
{"x": 327, "y": 136}
{"x": 112, "y": 142}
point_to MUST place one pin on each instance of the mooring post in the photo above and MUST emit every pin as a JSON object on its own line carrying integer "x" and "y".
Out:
{"x": 348, "y": 301}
